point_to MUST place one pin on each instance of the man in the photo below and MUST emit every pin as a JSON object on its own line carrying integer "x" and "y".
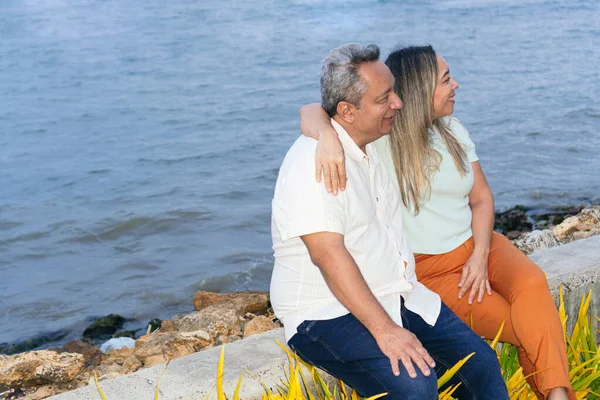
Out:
{"x": 344, "y": 283}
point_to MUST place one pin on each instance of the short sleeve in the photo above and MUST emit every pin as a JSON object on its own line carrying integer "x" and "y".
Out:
{"x": 301, "y": 205}
{"x": 461, "y": 133}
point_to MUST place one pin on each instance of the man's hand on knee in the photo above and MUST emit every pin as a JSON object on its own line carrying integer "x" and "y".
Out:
{"x": 399, "y": 344}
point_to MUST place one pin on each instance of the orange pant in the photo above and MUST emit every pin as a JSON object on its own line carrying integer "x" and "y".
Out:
{"x": 520, "y": 296}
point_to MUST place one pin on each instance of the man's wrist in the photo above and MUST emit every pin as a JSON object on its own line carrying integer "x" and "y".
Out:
{"x": 383, "y": 328}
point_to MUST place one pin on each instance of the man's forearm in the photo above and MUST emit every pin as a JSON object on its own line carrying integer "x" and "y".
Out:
{"x": 349, "y": 286}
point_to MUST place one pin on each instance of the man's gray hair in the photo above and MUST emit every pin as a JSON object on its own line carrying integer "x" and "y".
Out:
{"x": 340, "y": 80}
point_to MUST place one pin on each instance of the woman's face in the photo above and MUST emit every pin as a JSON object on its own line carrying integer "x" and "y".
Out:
{"x": 443, "y": 97}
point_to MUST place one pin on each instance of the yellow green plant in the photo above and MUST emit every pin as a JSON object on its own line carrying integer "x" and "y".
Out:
{"x": 583, "y": 355}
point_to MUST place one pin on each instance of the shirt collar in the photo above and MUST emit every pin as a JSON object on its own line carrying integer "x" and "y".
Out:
{"x": 351, "y": 148}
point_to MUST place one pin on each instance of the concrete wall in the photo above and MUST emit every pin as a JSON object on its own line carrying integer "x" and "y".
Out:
{"x": 576, "y": 266}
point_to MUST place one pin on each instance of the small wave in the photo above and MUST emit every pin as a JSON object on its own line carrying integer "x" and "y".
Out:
{"x": 33, "y": 256}
{"x": 255, "y": 275}
{"x": 136, "y": 225}
{"x": 579, "y": 112}
{"x": 136, "y": 277}
{"x": 33, "y": 131}
{"x": 99, "y": 171}
{"x": 231, "y": 195}
{"x": 7, "y": 225}
{"x": 137, "y": 266}
{"x": 171, "y": 161}
{"x": 25, "y": 237}
{"x": 243, "y": 258}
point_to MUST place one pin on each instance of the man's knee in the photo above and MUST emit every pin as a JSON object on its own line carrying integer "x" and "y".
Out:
{"x": 421, "y": 387}
{"x": 487, "y": 359}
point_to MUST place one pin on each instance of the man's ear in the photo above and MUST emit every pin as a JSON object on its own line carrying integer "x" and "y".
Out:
{"x": 346, "y": 111}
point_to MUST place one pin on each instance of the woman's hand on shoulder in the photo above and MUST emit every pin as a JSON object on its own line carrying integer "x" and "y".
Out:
{"x": 330, "y": 158}
{"x": 475, "y": 277}
{"x": 330, "y": 162}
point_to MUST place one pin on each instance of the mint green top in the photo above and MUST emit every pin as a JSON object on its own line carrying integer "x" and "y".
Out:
{"x": 444, "y": 220}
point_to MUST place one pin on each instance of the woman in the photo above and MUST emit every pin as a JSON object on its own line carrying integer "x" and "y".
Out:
{"x": 448, "y": 215}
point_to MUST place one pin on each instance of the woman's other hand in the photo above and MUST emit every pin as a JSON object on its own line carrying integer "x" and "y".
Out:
{"x": 329, "y": 157}
{"x": 475, "y": 277}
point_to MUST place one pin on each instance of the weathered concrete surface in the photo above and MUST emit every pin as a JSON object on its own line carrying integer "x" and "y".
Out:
{"x": 575, "y": 265}
{"x": 194, "y": 377}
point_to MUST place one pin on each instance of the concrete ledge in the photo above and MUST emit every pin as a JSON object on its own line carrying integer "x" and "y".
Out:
{"x": 575, "y": 265}
{"x": 194, "y": 377}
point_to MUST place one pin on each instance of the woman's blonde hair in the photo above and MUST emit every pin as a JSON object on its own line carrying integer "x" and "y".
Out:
{"x": 415, "y": 159}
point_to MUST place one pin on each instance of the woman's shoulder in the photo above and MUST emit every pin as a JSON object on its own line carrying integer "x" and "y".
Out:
{"x": 458, "y": 129}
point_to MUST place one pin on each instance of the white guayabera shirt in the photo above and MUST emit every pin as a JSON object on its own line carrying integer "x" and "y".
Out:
{"x": 367, "y": 214}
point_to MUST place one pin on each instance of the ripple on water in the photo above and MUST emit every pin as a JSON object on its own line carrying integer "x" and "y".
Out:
{"x": 138, "y": 226}
{"x": 255, "y": 273}
{"x": 7, "y": 225}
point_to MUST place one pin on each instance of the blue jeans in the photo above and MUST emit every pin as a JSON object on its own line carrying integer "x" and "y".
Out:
{"x": 346, "y": 349}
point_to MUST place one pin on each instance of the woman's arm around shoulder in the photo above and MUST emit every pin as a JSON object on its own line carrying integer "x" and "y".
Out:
{"x": 329, "y": 157}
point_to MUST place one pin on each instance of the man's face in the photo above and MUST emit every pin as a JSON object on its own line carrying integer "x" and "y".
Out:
{"x": 379, "y": 104}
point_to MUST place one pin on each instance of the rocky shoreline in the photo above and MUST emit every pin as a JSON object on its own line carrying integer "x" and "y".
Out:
{"x": 531, "y": 231}
{"x": 218, "y": 319}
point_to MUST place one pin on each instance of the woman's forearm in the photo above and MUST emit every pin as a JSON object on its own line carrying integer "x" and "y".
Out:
{"x": 314, "y": 121}
{"x": 482, "y": 224}
{"x": 481, "y": 200}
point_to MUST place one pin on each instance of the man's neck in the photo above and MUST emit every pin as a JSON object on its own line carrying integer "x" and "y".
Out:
{"x": 354, "y": 135}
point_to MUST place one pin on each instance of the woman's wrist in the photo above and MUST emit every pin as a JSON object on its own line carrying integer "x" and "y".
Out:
{"x": 326, "y": 131}
{"x": 481, "y": 251}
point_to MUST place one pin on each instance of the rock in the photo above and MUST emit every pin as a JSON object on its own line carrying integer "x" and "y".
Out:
{"x": 553, "y": 216}
{"x": 161, "y": 347}
{"x": 566, "y": 228}
{"x": 243, "y": 302}
{"x": 154, "y": 324}
{"x": 104, "y": 327}
{"x": 536, "y": 240}
{"x": 43, "y": 392}
{"x": 224, "y": 339}
{"x": 512, "y": 235}
{"x": 33, "y": 342}
{"x": 514, "y": 219}
{"x": 128, "y": 334}
{"x": 590, "y": 215}
{"x": 259, "y": 324}
{"x": 91, "y": 354}
{"x": 117, "y": 356}
{"x": 215, "y": 319}
{"x": 39, "y": 368}
{"x": 582, "y": 235}
{"x": 117, "y": 343}
{"x": 119, "y": 362}
{"x": 131, "y": 365}
{"x": 12, "y": 394}
{"x": 582, "y": 225}
{"x": 167, "y": 326}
